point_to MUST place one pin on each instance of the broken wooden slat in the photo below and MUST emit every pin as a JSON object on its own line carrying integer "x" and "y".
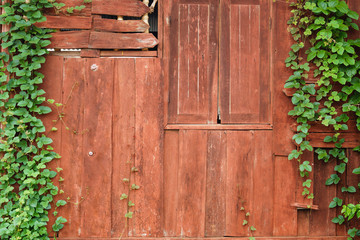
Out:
{"x": 109, "y": 25}
{"x": 70, "y": 39}
{"x": 133, "y": 8}
{"x": 106, "y": 40}
{"x": 73, "y": 22}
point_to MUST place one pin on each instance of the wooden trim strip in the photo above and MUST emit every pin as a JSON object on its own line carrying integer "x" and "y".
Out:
{"x": 128, "y": 53}
{"x": 133, "y": 8}
{"x": 110, "y": 25}
{"x": 218, "y": 127}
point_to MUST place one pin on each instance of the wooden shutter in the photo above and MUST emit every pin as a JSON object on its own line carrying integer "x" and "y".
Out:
{"x": 244, "y": 61}
{"x": 193, "y": 61}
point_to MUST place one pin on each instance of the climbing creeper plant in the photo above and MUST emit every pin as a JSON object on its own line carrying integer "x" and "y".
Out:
{"x": 322, "y": 50}
{"x": 26, "y": 186}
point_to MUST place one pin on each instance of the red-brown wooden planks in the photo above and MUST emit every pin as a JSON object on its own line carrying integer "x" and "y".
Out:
{"x": 68, "y": 4}
{"x": 149, "y": 149}
{"x": 285, "y": 216}
{"x": 106, "y": 40}
{"x": 353, "y": 180}
{"x": 72, "y": 160}
{"x": 263, "y": 174}
{"x": 133, "y": 8}
{"x": 245, "y": 62}
{"x": 239, "y": 186}
{"x": 109, "y": 25}
{"x": 53, "y": 72}
{"x": 320, "y": 220}
{"x": 223, "y": 238}
{"x": 97, "y": 149}
{"x": 281, "y": 43}
{"x": 215, "y": 184}
{"x": 123, "y": 140}
{"x": 72, "y": 22}
{"x": 170, "y": 187}
{"x": 193, "y": 62}
{"x": 191, "y": 183}
{"x": 352, "y": 140}
{"x": 70, "y": 39}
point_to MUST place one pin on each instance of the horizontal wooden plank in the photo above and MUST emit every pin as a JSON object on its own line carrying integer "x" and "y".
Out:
{"x": 90, "y": 53}
{"x": 70, "y": 4}
{"x": 72, "y": 22}
{"x": 304, "y": 206}
{"x": 133, "y": 8}
{"x": 352, "y": 140}
{"x": 223, "y": 238}
{"x": 219, "y": 126}
{"x": 70, "y": 39}
{"x": 106, "y": 40}
{"x": 110, "y": 25}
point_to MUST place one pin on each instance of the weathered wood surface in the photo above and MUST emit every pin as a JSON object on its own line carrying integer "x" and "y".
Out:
{"x": 109, "y": 25}
{"x": 70, "y": 39}
{"x": 194, "y": 175}
{"x": 193, "y": 68}
{"x": 106, "y": 40}
{"x": 133, "y": 8}
{"x": 66, "y": 22}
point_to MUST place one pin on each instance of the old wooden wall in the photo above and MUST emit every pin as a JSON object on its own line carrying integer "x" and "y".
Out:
{"x": 205, "y": 123}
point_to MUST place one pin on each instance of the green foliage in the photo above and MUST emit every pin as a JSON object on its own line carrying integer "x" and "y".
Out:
{"x": 27, "y": 190}
{"x": 323, "y": 51}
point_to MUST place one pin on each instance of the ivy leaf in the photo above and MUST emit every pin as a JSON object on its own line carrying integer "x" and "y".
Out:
{"x": 129, "y": 215}
{"x": 60, "y": 203}
{"x": 311, "y": 56}
{"x": 342, "y": 7}
{"x": 353, "y": 15}
{"x": 356, "y": 170}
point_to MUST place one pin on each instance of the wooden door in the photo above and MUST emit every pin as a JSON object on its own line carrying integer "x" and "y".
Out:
{"x": 220, "y": 62}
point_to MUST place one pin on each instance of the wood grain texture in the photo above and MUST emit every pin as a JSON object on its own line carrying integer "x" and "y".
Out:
{"x": 215, "y": 184}
{"x": 285, "y": 216}
{"x": 245, "y": 62}
{"x": 108, "y": 25}
{"x": 107, "y": 40}
{"x": 68, "y": 4}
{"x": 193, "y": 62}
{"x": 192, "y": 183}
{"x": 98, "y": 140}
{"x": 70, "y": 22}
{"x": 149, "y": 150}
{"x": 72, "y": 147}
{"x": 170, "y": 187}
{"x": 90, "y": 53}
{"x": 70, "y": 39}
{"x": 123, "y": 137}
{"x": 132, "y": 8}
{"x": 352, "y": 140}
{"x": 225, "y": 238}
{"x": 53, "y": 80}
{"x": 320, "y": 221}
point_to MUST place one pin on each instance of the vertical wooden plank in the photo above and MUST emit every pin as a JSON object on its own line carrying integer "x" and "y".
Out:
{"x": 53, "y": 80}
{"x": 149, "y": 149}
{"x": 245, "y": 62}
{"x": 263, "y": 188}
{"x": 303, "y": 222}
{"x": 285, "y": 216}
{"x": 193, "y": 62}
{"x": 353, "y": 180}
{"x": 192, "y": 183}
{"x": 239, "y": 183}
{"x": 300, "y": 198}
{"x": 171, "y": 166}
{"x": 320, "y": 220}
{"x": 97, "y": 148}
{"x": 215, "y": 184}
{"x": 281, "y": 40}
{"x": 72, "y": 161}
{"x": 123, "y": 140}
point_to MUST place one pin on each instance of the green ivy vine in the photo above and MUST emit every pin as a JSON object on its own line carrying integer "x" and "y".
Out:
{"x": 323, "y": 51}
{"x": 26, "y": 183}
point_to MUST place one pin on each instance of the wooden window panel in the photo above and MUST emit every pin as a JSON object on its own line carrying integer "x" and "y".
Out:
{"x": 193, "y": 62}
{"x": 244, "y": 61}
